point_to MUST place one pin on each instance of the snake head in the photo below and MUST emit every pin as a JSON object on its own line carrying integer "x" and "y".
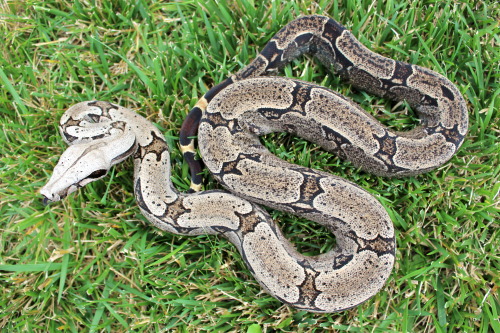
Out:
{"x": 82, "y": 163}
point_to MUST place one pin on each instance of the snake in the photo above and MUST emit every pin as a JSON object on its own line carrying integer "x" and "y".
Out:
{"x": 228, "y": 121}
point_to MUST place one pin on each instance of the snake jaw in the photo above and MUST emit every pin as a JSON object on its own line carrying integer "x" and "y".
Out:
{"x": 85, "y": 162}
{"x": 79, "y": 165}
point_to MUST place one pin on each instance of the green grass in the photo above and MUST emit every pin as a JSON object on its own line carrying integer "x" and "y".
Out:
{"x": 92, "y": 263}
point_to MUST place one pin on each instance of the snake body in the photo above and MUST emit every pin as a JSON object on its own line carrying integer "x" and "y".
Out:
{"x": 231, "y": 117}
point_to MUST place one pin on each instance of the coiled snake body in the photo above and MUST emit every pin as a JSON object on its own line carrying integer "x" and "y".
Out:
{"x": 233, "y": 114}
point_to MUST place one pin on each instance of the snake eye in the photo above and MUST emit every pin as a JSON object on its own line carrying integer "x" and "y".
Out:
{"x": 98, "y": 174}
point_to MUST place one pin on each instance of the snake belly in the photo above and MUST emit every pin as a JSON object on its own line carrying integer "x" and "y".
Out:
{"x": 231, "y": 117}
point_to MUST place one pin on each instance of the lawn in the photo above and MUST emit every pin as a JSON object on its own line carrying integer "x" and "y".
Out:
{"x": 92, "y": 263}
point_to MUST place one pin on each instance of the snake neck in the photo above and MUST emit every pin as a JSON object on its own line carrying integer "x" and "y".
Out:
{"x": 153, "y": 188}
{"x": 152, "y": 185}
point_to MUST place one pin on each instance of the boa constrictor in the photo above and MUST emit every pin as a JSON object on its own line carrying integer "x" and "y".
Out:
{"x": 233, "y": 114}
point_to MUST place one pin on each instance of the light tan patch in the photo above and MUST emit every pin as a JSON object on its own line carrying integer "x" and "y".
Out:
{"x": 211, "y": 209}
{"x": 246, "y": 95}
{"x": 358, "y": 280}
{"x": 371, "y": 62}
{"x": 265, "y": 182}
{"x": 272, "y": 264}
{"x": 189, "y": 148}
{"x": 357, "y": 208}
{"x": 202, "y": 103}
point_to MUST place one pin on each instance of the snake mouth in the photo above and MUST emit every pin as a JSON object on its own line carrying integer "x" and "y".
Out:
{"x": 51, "y": 197}
{"x": 59, "y": 189}
{"x": 47, "y": 201}
{"x": 48, "y": 198}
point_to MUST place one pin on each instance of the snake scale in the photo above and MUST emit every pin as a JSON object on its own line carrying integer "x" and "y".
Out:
{"x": 229, "y": 120}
